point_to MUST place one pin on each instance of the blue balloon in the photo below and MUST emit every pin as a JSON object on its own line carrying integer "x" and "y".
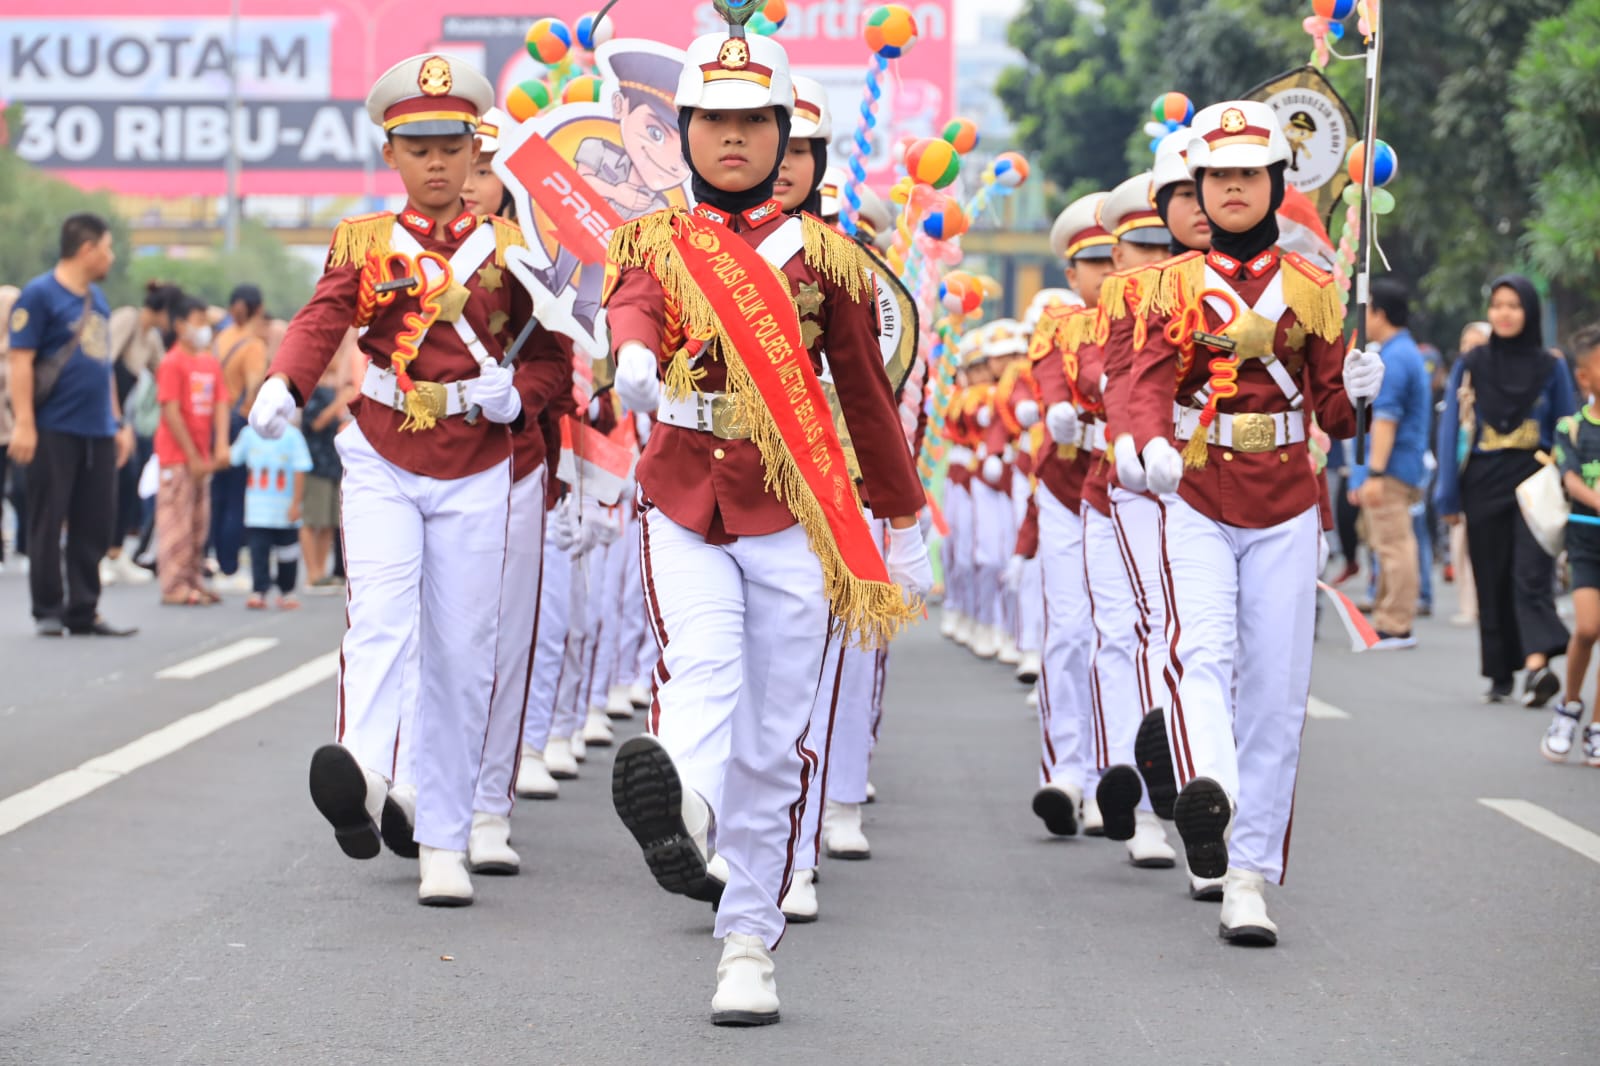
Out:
{"x": 1336, "y": 30}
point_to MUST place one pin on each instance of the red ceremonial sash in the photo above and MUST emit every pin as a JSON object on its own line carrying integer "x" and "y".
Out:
{"x": 754, "y": 309}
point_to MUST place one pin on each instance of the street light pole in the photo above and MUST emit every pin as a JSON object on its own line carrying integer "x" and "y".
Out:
{"x": 231, "y": 233}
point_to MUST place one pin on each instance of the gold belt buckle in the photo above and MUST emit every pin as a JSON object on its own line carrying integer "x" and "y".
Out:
{"x": 433, "y": 397}
{"x": 1253, "y": 433}
{"x": 722, "y": 424}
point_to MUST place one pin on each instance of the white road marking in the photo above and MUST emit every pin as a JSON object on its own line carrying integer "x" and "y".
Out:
{"x": 1549, "y": 825}
{"x": 1315, "y": 708}
{"x": 226, "y": 655}
{"x": 56, "y": 792}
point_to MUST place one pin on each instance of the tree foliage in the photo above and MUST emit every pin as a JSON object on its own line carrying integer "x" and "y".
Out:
{"x": 1464, "y": 204}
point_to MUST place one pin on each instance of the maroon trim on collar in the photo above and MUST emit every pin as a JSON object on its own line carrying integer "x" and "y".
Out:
{"x": 711, "y": 214}
{"x": 763, "y": 213}
{"x": 417, "y": 222}
{"x": 463, "y": 224}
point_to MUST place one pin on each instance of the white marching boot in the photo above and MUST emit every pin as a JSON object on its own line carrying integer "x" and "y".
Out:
{"x": 948, "y": 619}
{"x": 747, "y": 988}
{"x": 580, "y": 747}
{"x": 965, "y": 630}
{"x": 1056, "y": 804}
{"x": 639, "y": 696}
{"x": 597, "y": 727}
{"x": 1028, "y": 668}
{"x": 799, "y": 904}
{"x": 1093, "y": 824}
{"x": 489, "y": 848}
{"x": 1205, "y": 889}
{"x": 985, "y": 642}
{"x": 1009, "y": 654}
{"x": 619, "y": 704}
{"x": 444, "y": 878}
{"x": 1244, "y": 910}
{"x": 558, "y": 759}
{"x": 533, "y": 777}
{"x": 872, "y": 793}
{"x": 842, "y": 837}
{"x": 1149, "y": 849}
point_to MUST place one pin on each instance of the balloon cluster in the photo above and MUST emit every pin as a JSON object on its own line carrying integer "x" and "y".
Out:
{"x": 555, "y": 44}
{"x": 1328, "y": 21}
{"x": 890, "y": 32}
{"x": 1169, "y": 113}
{"x": 1385, "y": 167}
{"x": 770, "y": 18}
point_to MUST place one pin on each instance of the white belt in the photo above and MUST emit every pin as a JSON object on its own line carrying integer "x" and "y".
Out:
{"x": 959, "y": 455}
{"x": 705, "y": 412}
{"x": 1248, "y": 433}
{"x": 1092, "y": 436}
{"x": 381, "y": 386}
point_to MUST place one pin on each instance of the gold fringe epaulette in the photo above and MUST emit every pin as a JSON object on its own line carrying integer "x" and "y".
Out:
{"x": 355, "y": 238}
{"x": 1313, "y": 296}
{"x": 647, "y": 242}
{"x": 1182, "y": 278}
{"x": 837, "y": 257}
{"x": 507, "y": 234}
{"x": 1137, "y": 282}
{"x": 1076, "y": 328}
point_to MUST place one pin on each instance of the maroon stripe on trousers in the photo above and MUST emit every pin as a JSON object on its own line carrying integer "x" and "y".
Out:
{"x": 1099, "y": 730}
{"x": 658, "y": 626}
{"x": 344, "y": 552}
{"x": 527, "y": 674}
{"x": 827, "y": 749}
{"x": 1177, "y": 738}
{"x": 1049, "y": 760}
{"x": 808, "y": 763}
{"x": 1141, "y": 602}
{"x": 494, "y": 685}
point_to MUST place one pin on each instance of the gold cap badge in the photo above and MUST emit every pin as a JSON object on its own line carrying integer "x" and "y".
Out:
{"x": 434, "y": 77}
{"x": 1233, "y": 120}
{"x": 735, "y": 54}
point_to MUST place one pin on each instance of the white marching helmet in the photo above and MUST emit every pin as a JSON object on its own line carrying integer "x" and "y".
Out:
{"x": 1129, "y": 213}
{"x": 875, "y": 222}
{"x": 834, "y": 180}
{"x": 812, "y": 119}
{"x": 732, "y": 71}
{"x": 1005, "y": 336}
{"x": 1077, "y": 233}
{"x": 1236, "y": 133}
{"x": 494, "y": 125}
{"x": 1044, "y": 300}
{"x": 1172, "y": 166}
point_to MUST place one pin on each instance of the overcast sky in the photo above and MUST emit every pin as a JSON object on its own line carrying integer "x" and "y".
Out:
{"x": 968, "y": 11}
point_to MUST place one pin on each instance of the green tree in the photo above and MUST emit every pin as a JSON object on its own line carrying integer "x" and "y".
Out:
{"x": 261, "y": 259}
{"x": 1555, "y": 129}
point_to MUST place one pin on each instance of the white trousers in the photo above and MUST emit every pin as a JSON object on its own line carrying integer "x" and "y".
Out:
{"x": 1243, "y": 618}
{"x": 519, "y": 628}
{"x": 1030, "y": 606}
{"x": 423, "y": 558}
{"x": 577, "y": 664}
{"x": 957, "y": 550}
{"x": 743, "y": 632}
{"x": 994, "y": 534}
{"x": 634, "y": 645}
{"x": 549, "y": 650}
{"x": 843, "y": 727}
{"x": 1064, "y": 699}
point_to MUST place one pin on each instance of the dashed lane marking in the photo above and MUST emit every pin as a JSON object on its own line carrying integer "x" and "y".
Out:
{"x": 56, "y": 792}
{"x": 216, "y": 659}
{"x": 1549, "y": 825}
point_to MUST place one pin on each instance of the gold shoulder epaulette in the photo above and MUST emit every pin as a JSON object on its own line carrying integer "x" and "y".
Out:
{"x": 507, "y": 234}
{"x": 1312, "y": 295}
{"x": 1138, "y": 282}
{"x": 1076, "y": 328}
{"x": 1182, "y": 278}
{"x": 355, "y": 238}
{"x": 647, "y": 243}
{"x": 836, "y": 257}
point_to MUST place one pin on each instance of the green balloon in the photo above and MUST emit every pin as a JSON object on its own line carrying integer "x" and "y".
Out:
{"x": 1352, "y": 195}
{"x": 1382, "y": 201}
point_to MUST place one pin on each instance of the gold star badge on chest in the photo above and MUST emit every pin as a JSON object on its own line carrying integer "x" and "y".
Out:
{"x": 1253, "y": 335}
{"x": 497, "y": 323}
{"x": 490, "y": 278}
{"x": 809, "y": 332}
{"x": 809, "y": 298}
{"x": 1296, "y": 337}
{"x": 452, "y": 302}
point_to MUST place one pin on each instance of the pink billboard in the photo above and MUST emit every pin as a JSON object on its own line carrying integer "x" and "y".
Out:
{"x": 134, "y": 98}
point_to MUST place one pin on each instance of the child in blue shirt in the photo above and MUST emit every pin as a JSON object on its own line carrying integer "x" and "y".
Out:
{"x": 272, "y": 502}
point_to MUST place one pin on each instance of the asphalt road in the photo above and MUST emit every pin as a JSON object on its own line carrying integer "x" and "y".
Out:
{"x": 190, "y": 905}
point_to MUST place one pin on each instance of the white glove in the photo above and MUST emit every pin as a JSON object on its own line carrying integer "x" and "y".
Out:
{"x": 1062, "y": 422}
{"x": 1363, "y": 374}
{"x": 1028, "y": 414}
{"x": 606, "y": 529}
{"x": 563, "y": 526}
{"x": 1163, "y": 467}
{"x": 494, "y": 393}
{"x": 908, "y": 563}
{"x": 274, "y": 406}
{"x": 1130, "y": 472}
{"x": 637, "y": 382}
{"x": 1011, "y": 580}
{"x": 985, "y": 416}
{"x": 992, "y": 469}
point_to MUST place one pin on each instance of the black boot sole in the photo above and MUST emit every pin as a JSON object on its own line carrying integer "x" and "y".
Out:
{"x": 1055, "y": 809}
{"x": 1154, "y": 756}
{"x": 1118, "y": 794}
{"x": 742, "y": 1019}
{"x": 339, "y": 789}
{"x": 648, "y": 796}
{"x": 397, "y": 831}
{"x": 1248, "y": 936}
{"x": 1202, "y": 814}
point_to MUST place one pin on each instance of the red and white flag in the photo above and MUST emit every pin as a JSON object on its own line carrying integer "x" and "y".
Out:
{"x": 593, "y": 463}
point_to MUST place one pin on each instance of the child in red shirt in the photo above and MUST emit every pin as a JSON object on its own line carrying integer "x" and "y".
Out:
{"x": 191, "y": 442}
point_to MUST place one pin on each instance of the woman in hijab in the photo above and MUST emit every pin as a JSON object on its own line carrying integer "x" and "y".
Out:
{"x": 1503, "y": 400}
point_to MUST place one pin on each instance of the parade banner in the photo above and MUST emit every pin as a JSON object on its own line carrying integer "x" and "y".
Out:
{"x": 1320, "y": 128}
{"x": 135, "y": 98}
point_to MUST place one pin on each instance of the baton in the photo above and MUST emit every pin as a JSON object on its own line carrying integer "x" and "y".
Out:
{"x": 511, "y": 353}
{"x": 1213, "y": 340}
{"x": 396, "y": 285}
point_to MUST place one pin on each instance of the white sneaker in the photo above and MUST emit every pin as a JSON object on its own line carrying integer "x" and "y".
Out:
{"x": 985, "y": 642}
{"x": 1149, "y": 849}
{"x": 800, "y": 902}
{"x": 597, "y": 728}
{"x": 747, "y": 989}
{"x": 1093, "y": 824}
{"x": 842, "y": 837}
{"x": 558, "y": 759}
{"x": 1244, "y": 910}
{"x": 1009, "y": 653}
{"x": 489, "y": 848}
{"x": 639, "y": 696}
{"x": 534, "y": 780}
{"x": 1028, "y": 668}
{"x": 580, "y": 746}
{"x": 1591, "y": 745}
{"x": 618, "y": 704}
{"x": 1557, "y": 742}
{"x": 130, "y": 572}
{"x": 1057, "y": 804}
{"x": 444, "y": 878}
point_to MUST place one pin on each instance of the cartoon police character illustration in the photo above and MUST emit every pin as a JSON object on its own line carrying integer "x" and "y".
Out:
{"x": 1302, "y": 127}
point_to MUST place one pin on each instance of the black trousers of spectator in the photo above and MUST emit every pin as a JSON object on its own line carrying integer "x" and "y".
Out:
{"x": 1516, "y": 580}
{"x": 72, "y": 481}
{"x": 227, "y": 505}
{"x": 267, "y": 545}
{"x": 1345, "y": 514}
